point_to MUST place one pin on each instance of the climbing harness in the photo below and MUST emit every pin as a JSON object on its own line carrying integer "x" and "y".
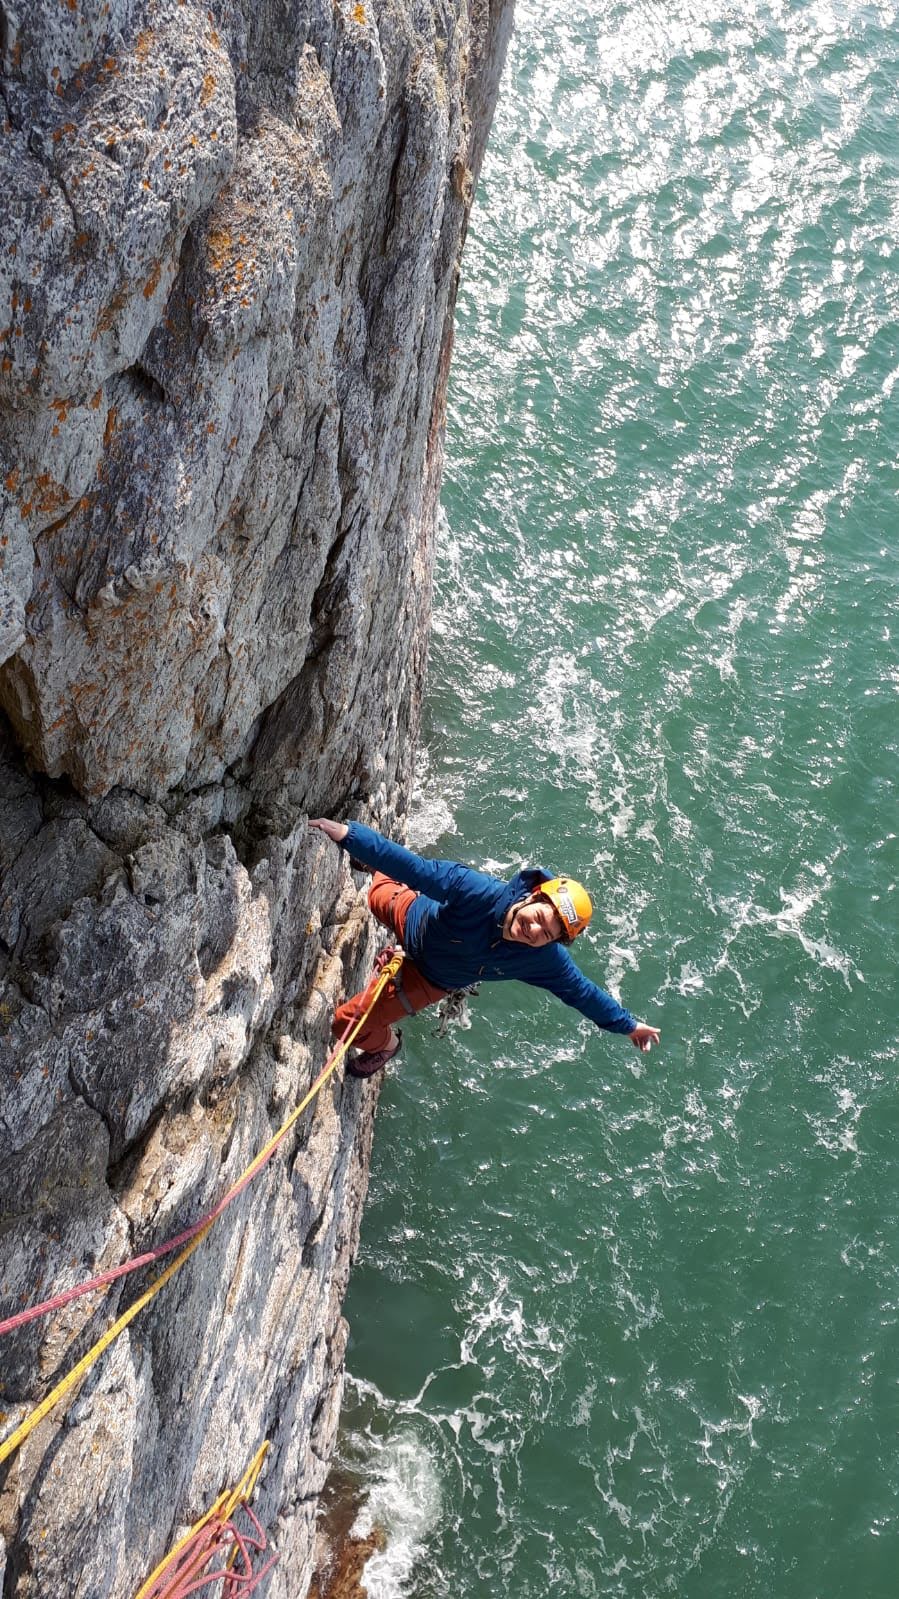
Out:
{"x": 192, "y": 1237}
{"x": 402, "y": 996}
{"x": 453, "y": 1009}
{"x": 217, "y": 1533}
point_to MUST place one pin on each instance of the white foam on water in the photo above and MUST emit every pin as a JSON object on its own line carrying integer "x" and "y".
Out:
{"x": 788, "y": 922}
{"x": 404, "y": 1499}
{"x": 497, "y": 1321}
{"x": 431, "y": 814}
{"x": 836, "y": 1130}
{"x": 431, "y": 818}
{"x": 582, "y": 1410}
{"x": 400, "y": 1476}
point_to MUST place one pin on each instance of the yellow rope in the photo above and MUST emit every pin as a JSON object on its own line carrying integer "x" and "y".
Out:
{"x": 24, "y": 1430}
{"x": 11, "y": 1444}
{"x": 223, "y": 1508}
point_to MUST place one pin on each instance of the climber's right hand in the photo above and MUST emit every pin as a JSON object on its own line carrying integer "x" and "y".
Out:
{"x": 336, "y": 831}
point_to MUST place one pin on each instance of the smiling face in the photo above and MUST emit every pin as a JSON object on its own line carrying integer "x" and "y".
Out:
{"x": 534, "y": 922}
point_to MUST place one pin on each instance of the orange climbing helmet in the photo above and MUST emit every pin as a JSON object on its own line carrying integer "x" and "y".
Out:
{"x": 571, "y": 901}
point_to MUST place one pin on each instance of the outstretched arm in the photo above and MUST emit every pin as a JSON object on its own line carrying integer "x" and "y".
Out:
{"x": 563, "y": 978}
{"x": 443, "y": 881}
{"x": 567, "y": 981}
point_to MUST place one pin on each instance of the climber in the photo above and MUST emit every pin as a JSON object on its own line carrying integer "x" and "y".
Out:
{"x": 459, "y": 927}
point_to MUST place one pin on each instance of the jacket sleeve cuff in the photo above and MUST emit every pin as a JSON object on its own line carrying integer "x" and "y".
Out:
{"x": 624, "y": 1024}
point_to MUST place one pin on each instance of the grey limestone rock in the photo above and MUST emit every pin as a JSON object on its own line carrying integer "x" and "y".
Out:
{"x": 229, "y": 249}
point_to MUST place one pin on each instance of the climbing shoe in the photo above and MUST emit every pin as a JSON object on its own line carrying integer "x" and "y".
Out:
{"x": 373, "y": 1060}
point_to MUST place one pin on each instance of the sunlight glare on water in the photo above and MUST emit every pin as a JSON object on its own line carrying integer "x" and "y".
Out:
{"x": 639, "y": 1315}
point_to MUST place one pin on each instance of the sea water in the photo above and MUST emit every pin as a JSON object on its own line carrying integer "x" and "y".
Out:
{"x": 628, "y": 1325}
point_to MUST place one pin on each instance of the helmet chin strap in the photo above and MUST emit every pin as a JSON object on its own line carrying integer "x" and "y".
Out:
{"x": 513, "y": 910}
{"x": 530, "y": 899}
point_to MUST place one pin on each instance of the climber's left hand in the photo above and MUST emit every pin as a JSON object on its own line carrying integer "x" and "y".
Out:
{"x": 336, "y": 831}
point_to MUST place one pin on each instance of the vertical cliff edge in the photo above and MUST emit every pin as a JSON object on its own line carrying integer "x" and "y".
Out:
{"x": 229, "y": 249}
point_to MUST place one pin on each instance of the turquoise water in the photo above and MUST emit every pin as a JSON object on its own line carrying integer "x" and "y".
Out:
{"x": 622, "y": 1325}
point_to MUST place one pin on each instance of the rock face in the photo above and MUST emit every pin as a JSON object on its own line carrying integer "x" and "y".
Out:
{"x": 229, "y": 246}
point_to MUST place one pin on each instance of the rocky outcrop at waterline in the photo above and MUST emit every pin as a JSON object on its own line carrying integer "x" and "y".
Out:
{"x": 229, "y": 246}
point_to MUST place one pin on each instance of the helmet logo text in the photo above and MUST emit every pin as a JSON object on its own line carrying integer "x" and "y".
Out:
{"x": 566, "y": 906}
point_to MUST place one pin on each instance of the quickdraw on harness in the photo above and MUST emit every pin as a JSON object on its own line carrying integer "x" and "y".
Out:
{"x": 453, "y": 1009}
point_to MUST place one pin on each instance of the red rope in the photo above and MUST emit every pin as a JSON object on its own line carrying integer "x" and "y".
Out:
{"x": 112, "y": 1275}
{"x": 223, "y": 1538}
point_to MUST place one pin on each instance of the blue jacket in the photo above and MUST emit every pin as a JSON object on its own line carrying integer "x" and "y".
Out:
{"x": 454, "y": 929}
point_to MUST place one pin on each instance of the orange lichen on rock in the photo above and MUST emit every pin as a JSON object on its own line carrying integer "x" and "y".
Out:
{"x": 52, "y": 496}
{"x": 152, "y": 283}
{"x": 218, "y": 247}
{"x": 106, "y": 319}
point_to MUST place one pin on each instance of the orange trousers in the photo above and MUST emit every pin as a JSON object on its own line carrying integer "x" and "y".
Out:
{"x": 389, "y": 902}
